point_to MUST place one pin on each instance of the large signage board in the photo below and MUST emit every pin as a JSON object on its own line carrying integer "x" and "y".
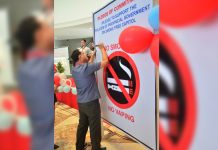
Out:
{"x": 127, "y": 85}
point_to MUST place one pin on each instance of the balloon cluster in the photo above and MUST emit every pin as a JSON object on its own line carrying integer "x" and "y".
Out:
{"x": 135, "y": 39}
{"x": 13, "y": 110}
{"x": 64, "y": 85}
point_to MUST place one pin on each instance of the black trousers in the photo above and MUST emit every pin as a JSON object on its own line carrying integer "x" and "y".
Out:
{"x": 89, "y": 116}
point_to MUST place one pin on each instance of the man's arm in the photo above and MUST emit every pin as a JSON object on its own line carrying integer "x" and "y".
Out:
{"x": 92, "y": 67}
{"x": 104, "y": 61}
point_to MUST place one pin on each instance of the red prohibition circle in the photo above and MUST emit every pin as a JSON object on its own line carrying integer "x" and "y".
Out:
{"x": 175, "y": 52}
{"x": 135, "y": 96}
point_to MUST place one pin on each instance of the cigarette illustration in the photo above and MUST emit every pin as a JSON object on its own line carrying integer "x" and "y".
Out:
{"x": 117, "y": 88}
{"x": 113, "y": 81}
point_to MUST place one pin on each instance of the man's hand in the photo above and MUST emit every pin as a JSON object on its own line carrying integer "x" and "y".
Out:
{"x": 104, "y": 61}
{"x": 101, "y": 46}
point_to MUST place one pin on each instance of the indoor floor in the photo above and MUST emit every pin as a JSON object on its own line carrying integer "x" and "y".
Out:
{"x": 66, "y": 121}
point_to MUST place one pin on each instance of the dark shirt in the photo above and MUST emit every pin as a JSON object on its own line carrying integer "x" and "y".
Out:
{"x": 84, "y": 76}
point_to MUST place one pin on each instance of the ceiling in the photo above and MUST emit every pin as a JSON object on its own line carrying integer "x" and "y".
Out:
{"x": 73, "y": 18}
{"x": 84, "y": 30}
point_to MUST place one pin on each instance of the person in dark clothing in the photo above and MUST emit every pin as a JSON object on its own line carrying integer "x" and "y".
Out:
{"x": 88, "y": 96}
{"x": 55, "y": 101}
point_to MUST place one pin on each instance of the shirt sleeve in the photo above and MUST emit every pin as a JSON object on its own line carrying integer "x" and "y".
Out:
{"x": 91, "y": 68}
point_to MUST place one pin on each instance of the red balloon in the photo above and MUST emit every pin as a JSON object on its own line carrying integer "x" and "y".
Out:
{"x": 57, "y": 80}
{"x": 155, "y": 49}
{"x": 69, "y": 82}
{"x": 14, "y": 101}
{"x": 73, "y": 82}
{"x": 186, "y": 12}
{"x": 22, "y": 108}
{"x": 135, "y": 39}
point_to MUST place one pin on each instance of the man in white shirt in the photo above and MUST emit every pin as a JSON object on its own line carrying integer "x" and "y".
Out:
{"x": 84, "y": 48}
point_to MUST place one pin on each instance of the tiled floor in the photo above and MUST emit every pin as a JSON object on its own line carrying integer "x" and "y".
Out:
{"x": 66, "y": 121}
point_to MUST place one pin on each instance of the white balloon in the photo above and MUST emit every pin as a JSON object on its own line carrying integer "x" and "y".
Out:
{"x": 63, "y": 82}
{"x": 6, "y": 120}
{"x": 62, "y": 76}
{"x": 60, "y": 88}
{"x": 24, "y": 125}
{"x": 74, "y": 91}
{"x": 57, "y": 74}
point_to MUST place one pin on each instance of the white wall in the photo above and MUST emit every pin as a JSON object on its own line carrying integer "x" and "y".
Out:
{"x": 6, "y": 68}
{"x": 73, "y": 10}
